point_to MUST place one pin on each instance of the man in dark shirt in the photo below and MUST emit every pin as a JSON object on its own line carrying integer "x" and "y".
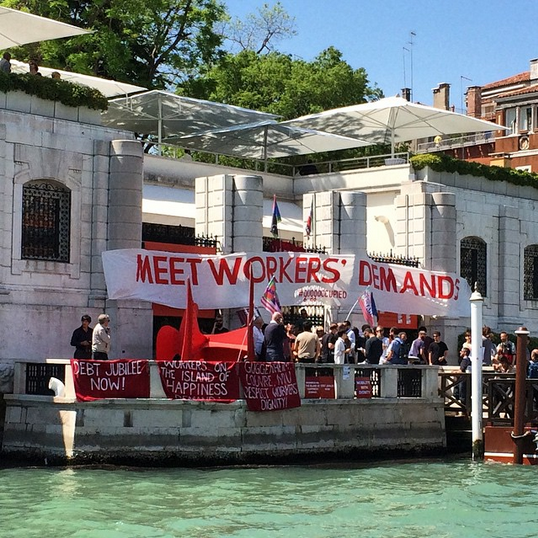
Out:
{"x": 327, "y": 343}
{"x": 274, "y": 336}
{"x": 438, "y": 350}
{"x": 373, "y": 347}
{"x": 82, "y": 339}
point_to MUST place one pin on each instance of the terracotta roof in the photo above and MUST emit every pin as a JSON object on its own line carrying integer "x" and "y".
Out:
{"x": 521, "y": 77}
{"x": 521, "y": 91}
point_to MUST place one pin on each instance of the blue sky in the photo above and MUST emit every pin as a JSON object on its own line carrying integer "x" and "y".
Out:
{"x": 456, "y": 40}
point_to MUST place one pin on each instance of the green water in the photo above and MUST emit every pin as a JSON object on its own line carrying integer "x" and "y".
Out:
{"x": 396, "y": 500}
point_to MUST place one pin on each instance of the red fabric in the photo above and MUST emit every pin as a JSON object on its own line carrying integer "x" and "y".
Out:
{"x": 167, "y": 345}
{"x": 122, "y": 378}
{"x": 200, "y": 380}
{"x": 269, "y": 386}
{"x": 191, "y": 339}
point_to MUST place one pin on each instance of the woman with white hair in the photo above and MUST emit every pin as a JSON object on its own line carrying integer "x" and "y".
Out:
{"x": 101, "y": 338}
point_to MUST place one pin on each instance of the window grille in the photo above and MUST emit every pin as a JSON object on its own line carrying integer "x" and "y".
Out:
{"x": 46, "y": 222}
{"x": 530, "y": 268}
{"x": 473, "y": 263}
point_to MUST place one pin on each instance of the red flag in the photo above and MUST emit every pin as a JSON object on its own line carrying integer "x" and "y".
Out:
{"x": 191, "y": 339}
{"x": 309, "y": 220}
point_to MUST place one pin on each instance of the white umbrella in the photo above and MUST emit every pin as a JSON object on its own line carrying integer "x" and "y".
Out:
{"x": 392, "y": 120}
{"x": 19, "y": 28}
{"x": 109, "y": 88}
{"x": 265, "y": 140}
{"x": 164, "y": 114}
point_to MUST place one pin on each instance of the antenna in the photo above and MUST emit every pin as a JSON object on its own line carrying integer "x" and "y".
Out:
{"x": 462, "y": 78}
{"x": 412, "y": 35}
{"x": 403, "y": 54}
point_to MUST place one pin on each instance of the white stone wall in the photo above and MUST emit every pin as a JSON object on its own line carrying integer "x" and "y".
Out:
{"x": 41, "y": 302}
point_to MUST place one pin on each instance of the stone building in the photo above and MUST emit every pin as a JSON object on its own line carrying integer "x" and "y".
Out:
{"x": 72, "y": 189}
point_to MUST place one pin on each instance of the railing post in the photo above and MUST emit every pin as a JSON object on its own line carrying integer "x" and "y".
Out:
{"x": 389, "y": 385}
{"x": 344, "y": 378}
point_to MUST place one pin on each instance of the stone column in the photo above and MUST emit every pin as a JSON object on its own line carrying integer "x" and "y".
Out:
{"x": 131, "y": 321}
{"x": 231, "y": 208}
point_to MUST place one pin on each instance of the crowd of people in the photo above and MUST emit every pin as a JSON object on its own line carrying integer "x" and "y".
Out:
{"x": 33, "y": 67}
{"x": 92, "y": 343}
{"x": 343, "y": 344}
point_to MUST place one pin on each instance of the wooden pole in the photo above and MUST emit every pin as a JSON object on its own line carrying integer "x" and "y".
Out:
{"x": 519, "y": 394}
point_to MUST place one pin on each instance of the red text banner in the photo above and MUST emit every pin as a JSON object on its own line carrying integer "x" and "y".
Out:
{"x": 363, "y": 387}
{"x": 321, "y": 386}
{"x": 122, "y": 378}
{"x": 212, "y": 381}
{"x": 301, "y": 279}
{"x": 269, "y": 386}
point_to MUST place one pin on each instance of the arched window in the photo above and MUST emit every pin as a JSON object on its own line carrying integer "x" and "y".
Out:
{"x": 530, "y": 269}
{"x": 46, "y": 216}
{"x": 473, "y": 263}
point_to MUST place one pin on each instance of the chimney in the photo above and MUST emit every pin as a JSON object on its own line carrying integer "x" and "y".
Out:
{"x": 406, "y": 94}
{"x": 474, "y": 101}
{"x": 534, "y": 71}
{"x": 441, "y": 96}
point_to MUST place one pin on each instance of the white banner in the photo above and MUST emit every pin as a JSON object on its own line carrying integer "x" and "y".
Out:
{"x": 301, "y": 279}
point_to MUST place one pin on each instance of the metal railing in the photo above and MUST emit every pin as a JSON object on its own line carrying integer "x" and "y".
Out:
{"x": 285, "y": 169}
{"x": 456, "y": 142}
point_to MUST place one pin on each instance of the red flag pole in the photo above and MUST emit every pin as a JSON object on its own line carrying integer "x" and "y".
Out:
{"x": 251, "y": 352}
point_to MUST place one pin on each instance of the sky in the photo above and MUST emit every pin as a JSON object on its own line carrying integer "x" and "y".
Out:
{"x": 461, "y": 42}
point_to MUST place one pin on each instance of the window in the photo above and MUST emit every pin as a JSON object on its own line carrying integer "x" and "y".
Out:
{"x": 510, "y": 120}
{"x": 525, "y": 119}
{"x": 473, "y": 263}
{"x": 46, "y": 215}
{"x": 530, "y": 269}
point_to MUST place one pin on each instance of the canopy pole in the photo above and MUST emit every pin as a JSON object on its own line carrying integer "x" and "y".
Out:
{"x": 265, "y": 135}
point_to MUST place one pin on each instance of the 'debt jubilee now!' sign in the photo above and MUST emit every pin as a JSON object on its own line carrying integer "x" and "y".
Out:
{"x": 301, "y": 279}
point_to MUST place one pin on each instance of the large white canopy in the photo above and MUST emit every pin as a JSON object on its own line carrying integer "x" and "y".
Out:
{"x": 109, "y": 88}
{"x": 164, "y": 115}
{"x": 19, "y": 28}
{"x": 392, "y": 120}
{"x": 265, "y": 140}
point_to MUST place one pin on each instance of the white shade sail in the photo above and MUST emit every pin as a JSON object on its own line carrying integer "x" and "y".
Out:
{"x": 267, "y": 139}
{"x": 165, "y": 115}
{"x": 392, "y": 120}
{"x": 19, "y": 28}
{"x": 109, "y": 88}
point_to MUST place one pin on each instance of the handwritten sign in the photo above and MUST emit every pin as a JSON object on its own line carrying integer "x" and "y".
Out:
{"x": 122, "y": 378}
{"x": 269, "y": 386}
{"x": 200, "y": 380}
{"x": 363, "y": 387}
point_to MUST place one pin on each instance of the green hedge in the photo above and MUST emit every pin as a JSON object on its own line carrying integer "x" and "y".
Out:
{"x": 443, "y": 163}
{"x": 51, "y": 89}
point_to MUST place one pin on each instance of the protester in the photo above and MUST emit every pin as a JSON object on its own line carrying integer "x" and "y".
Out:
{"x": 417, "y": 347}
{"x": 488, "y": 345}
{"x": 5, "y": 63}
{"x": 101, "y": 338}
{"x": 398, "y": 352}
{"x": 350, "y": 357}
{"x": 342, "y": 346}
{"x": 373, "y": 346}
{"x": 307, "y": 347}
{"x": 258, "y": 337}
{"x": 328, "y": 342}
{"x": 506, "y": 349}
{"x": 218, "y": 326}
{"x": 438, "y": 351}
{"x": 274, "y": 337}
{"x": 533, "y": 365}
{"x": 82, "y": 339}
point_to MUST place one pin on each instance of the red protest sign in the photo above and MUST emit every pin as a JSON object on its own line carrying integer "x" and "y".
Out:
{"x": 122, "y": 378}
{"x": 363, "y": 387}
{"x": 212, "y": 381}
{"x": 269, "y": 386}
{"x": 319, "y": 387}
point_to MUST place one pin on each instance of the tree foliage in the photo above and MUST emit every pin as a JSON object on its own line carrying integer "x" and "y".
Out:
{"x": 153, "y": 44}
{"x": 279, "y": 84}
{"x": 259, "y": 32}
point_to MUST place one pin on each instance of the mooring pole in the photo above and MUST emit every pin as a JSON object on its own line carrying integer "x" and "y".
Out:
{"x": 519, "y": 394}
{"x": 477, "y": 353}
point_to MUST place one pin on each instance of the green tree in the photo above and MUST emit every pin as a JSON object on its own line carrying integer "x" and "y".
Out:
{"x": 279, "y": 84}
{"x": 153, "y": 44}
{"x": 260, "y": 31}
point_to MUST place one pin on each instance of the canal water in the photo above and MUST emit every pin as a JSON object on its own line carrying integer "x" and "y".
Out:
{"x": 398, "y": 499}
